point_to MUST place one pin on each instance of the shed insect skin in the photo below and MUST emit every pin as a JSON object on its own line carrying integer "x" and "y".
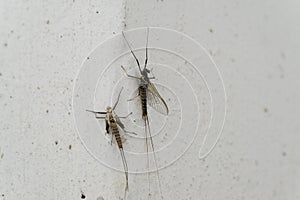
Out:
{"x": 148, "y": 96}
{"x": 112, "y": 124}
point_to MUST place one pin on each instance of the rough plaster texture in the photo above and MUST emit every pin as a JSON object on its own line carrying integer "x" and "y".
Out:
{"x": 256, "y": 45}
{"x": 43, "y": 44}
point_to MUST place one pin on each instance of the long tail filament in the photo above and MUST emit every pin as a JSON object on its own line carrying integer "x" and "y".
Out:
{"x": 147, "y": 129}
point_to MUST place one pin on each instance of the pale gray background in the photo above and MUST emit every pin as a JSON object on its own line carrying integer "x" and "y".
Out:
{"x": 256, "y": 44}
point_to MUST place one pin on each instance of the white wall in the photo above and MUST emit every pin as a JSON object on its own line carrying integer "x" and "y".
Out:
{"x": 256, "y": 46}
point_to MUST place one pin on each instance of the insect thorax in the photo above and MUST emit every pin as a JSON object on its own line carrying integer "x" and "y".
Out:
{"x": 111, "y": 118}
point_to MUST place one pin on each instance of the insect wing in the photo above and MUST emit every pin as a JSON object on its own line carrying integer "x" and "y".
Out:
{"x": 118, "y": 121}
{"x": 155, "y": 100}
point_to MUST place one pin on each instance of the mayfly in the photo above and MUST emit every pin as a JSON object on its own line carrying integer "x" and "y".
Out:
{"x": 112, "y": 125}
{"x": 148, "y": 95}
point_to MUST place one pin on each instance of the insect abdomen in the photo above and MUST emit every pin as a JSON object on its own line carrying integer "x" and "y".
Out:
{"x": 115, "y": 132}
{"x": 143, "y": 95}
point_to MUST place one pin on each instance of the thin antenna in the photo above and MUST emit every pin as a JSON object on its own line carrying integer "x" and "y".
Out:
{"x": 146, "y": 58}
{"x": 117, "y": 99}
{"x": 137, "y": 61}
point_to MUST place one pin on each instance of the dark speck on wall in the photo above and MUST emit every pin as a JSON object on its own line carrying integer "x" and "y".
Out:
{"x": 97, "y": 12}
{"x": 70, "y": 147}
{"x": 5, "y": 44}
{"x": 283, "y": 153}
{"x": 82, "y": 196}
{"x": 266, "y": 110}
{"x": 56, "y": 142}
{"x": 211, "y": 30}
{"x": 47, "y": 111}
{"x": 282, "y": 55}
{"x": 88, "y": 58}
{"x": 48, "y": 22}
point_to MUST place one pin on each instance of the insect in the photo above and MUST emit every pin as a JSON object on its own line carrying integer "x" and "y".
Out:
{"x": 148, "y": 95}
{"x": 112, "y": 125}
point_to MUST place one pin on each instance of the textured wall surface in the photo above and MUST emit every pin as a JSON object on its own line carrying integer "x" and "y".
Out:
{"x": 43, "y": 44}
{"x": 256, "y": 45}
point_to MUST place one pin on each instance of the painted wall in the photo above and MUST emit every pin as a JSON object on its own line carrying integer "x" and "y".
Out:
{"x": 254, "y": 43}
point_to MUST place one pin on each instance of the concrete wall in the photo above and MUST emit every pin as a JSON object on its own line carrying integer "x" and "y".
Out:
{"x": 254, "y": 43}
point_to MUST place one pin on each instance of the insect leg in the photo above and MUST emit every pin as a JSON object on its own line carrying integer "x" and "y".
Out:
{"x": 95, "y": 112}
{"x": 130, "y": 132}
{"x": 133, "y": 98}
{"x": 100, "y": 117}
{"x": 121, "y": 125}
{"x": 131, "y": 76}
{"x": 124, "y": 117}
{"x": 152, "y": 77}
